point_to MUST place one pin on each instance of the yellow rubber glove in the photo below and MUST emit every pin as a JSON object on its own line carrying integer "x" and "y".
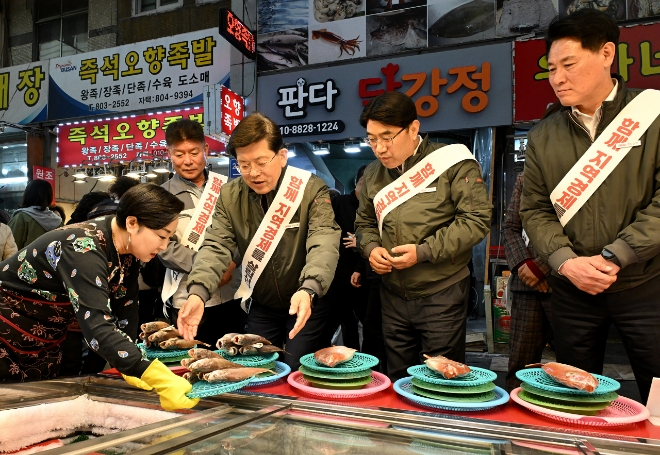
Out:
{"x": 171, "y": 388}
{"x": 137, "y": 382}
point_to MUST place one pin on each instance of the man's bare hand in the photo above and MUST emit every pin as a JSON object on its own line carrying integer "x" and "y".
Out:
{"x": 301, "y": 304}
{"x": 350, "y": 241}
{"x": 542, "y": 286}
{"x": 355, "y": 279}
{"x": 407, "y": 258}
{"x": 527, "y": 276}
{"x": 190, "y": 316}
{"x": 379, "y": 260}
{"x": 591, "y": 274}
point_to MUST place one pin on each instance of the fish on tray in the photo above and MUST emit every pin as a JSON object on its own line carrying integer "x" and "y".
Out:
{"x": 571, "y": 376}
{"x": 226, "y": 341}
{"x": 191, "y": 377}
{"x": 155, "y": 326}
{"x": 179, "y": 343}
{"x": 234, "y": 374}
{"x": 268, "y": 349}
{"x": 334, "y": 355}
{"x": 201, "y": 353}
{"x": 249, "y": 339}
{"x": 208, "y": 365}
{"x": 164, "y": 334}
{"x": 449, "y": 369}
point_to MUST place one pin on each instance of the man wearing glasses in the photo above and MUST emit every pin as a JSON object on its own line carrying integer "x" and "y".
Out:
{"x": 422, "y": 246}
{"x": 285, "y": 276}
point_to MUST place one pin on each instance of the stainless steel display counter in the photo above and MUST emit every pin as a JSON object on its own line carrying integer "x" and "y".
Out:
{"x": 253, "y": 424}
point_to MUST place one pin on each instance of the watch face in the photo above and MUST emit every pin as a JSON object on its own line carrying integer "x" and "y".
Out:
{"x": 607, "y": 254}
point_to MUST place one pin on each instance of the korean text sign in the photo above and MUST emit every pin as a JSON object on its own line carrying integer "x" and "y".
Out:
{"x": 120, "y": 139}
{"x": 232, "y": 110}
{"x": 636, "y": 61}
{"x": 45, "y": 173}
{"x": 452, "y": 89}
{"x": 24, "y": 93}
{"x": 151, "y": 74}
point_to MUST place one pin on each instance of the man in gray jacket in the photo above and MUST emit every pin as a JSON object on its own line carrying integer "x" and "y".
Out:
{"x": 188, "y": 151}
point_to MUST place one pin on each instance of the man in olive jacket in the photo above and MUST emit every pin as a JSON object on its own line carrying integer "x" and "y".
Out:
{"x": 287, "y": 295}
{"x": 605, "y": 259}
{"x": 426, "y": 242}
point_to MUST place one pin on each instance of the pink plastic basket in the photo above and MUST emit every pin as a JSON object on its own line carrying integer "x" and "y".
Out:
{"x": 379, "y": 383}
{"x": 622, "y": 411}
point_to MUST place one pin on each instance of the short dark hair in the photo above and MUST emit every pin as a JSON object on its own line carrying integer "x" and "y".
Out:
{"x": 122, "y": 185}
{"x": 38, "y": 193}
{"x": 360, "y": 173}
{"x": 59, "y": 210}
{"x": 184, "y": 130}
{"x": 392, "y": 108}
{"x": 254, "y": 128}
{"x": 152, "y": 205}
{"x": 87, "y": 203}
{"x": 593, "y": 28}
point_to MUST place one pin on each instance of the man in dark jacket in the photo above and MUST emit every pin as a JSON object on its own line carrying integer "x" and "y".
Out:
{"x": 426, "y": 241}
{"x": 531, "y": 328}
{"x": 286, "y": 302}
{"x": 605, "y": 258}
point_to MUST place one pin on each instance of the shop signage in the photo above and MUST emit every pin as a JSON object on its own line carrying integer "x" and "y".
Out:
{"x": 118, "y": 138}
{"x": 152, "y": 74}
{"x": 234, "y": 172}
{"x": 637, "y": 61}
{"x": 45, "y": 173}
{"x": 24, "y": 93}
{"x": 451, "y": 89}
{"x": 237, "y": 33}
{"x": 232, "y": 110}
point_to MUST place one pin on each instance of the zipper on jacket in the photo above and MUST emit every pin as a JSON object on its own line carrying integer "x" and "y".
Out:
{"x": 398, "y": 241}
{"x": 277, "y": 288}
{"x": 570, "y": 115}
{"x": 467, "y": 182}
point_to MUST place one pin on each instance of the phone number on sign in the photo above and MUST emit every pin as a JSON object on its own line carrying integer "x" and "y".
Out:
{"x": 302, "y": 129}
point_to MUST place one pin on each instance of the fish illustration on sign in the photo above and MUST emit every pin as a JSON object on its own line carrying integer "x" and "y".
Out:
{"x": 285, "y": 49}
{"x": 465, "y": 20}
{"x": 396, "y": 32}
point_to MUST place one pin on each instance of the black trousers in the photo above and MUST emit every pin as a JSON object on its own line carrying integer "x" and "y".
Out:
{"x": 275, "y": 325}
{"x": 372, "y": 324}
{"x": 433, "y": 325}
{"x": 346, "y": 303}
{"x": 581, "y": 323}
{"x": 217, "y": 320}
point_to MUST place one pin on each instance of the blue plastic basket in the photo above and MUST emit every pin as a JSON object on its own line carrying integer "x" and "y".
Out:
{"x": 203, "y": 389}
{"x": 164, "y": 355}
{"x": 281, "y": 368}
{"x": 540, "y": 379}
{"x": 250, "y": 360}
{"x": 402, "y": 387}
{"x": 360, "y": 361}
{"x": 477, "y": 376}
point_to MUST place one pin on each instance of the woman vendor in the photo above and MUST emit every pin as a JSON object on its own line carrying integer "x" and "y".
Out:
{"x": 88, "y": 273}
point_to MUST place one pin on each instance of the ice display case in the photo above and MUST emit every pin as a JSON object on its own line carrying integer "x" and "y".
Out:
{"x": 123, "y": 419}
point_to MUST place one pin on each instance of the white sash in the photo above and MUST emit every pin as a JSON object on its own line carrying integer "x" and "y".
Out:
{"x": 193, "y": 235}
{"x": 604, "y": 155}
{"x": 417, "y": 178}
{"x": 271, "y": 229}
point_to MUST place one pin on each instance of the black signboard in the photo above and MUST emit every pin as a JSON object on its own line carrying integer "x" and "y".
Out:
{"x": 237, "y": 33}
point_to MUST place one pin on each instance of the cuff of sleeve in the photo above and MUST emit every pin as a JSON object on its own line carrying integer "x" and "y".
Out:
{"x": 560, "y": 256}
{"x": 200, "y": 291}
{"x": 534, "y": 269}
{"x": 424, "y": 252}
{"x": 623, "y": 252}
{"x": 369, "y": 248}
{"x": 311, "y": 283}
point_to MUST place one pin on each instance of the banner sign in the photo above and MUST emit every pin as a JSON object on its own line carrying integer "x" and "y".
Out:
{"x": 45, "y": 173}
{"x": 637, "y": 61}
{"x": 232, "y": 110}
{"x": 453, "y": 89}
{"x": 119, "y": 138}
{"x": 24, "y": 93}
{"x": 168, "y": 71}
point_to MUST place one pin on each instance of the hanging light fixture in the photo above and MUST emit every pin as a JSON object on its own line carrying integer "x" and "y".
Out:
{"x": 161, "y": 166}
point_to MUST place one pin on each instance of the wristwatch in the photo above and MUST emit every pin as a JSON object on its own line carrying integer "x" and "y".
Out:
{"x": 312, "y": 294}
{"x": 609, "y": 256}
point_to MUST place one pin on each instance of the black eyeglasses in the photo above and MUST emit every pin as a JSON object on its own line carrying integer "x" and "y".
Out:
{"x": 385, "y": 141}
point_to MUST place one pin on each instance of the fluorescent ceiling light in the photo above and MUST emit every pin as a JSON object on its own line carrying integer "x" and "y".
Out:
{"x": 364, "y": 144}
{"x": 290, "y": 154}
{"x": 352, "y": 149}
{"x": 14, "y": 180}
{"x": 321, "y": 152}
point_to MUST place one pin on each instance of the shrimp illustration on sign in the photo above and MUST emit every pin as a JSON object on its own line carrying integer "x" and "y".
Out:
{"x": 344, "y": 45}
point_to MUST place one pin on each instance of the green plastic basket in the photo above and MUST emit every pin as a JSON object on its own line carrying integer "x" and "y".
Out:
{"x": 343, "y": 384}
{"x": 472, "y": 398}
{"x": 541, "y": 380}
{"x": 251, "y": 360}
{"x": 584, "y": 409}
{"x": 334, "y": 375}
{"x": 487, "y": 387}
{"x": 602, "y": 398}
{"x": 360, "y": 361}
{"x": 478, "y": 376}
{"x": 203, "y": 389}
{"x": 164, "y": 355}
